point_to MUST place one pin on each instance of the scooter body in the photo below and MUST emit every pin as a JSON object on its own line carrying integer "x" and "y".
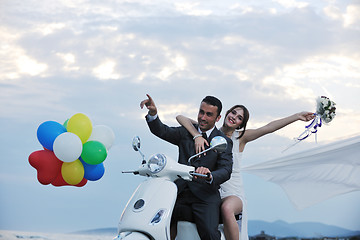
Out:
{"x": 149, "y": 209}
{"x": 147, "y": 214}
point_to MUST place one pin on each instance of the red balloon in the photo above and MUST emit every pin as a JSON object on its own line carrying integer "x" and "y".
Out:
{"x": 82, "y": 183}
{"x": 59, "y": 181}
{"x": 48, "y": 166}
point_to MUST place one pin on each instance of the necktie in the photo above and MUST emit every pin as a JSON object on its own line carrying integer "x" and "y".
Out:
{"x": 204, "y": 135}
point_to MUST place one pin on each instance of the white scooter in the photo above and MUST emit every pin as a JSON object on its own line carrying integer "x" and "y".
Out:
{"x": 148, "y": 213}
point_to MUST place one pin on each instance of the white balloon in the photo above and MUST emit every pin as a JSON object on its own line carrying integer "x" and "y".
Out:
{"x": 103, "y": 134}
{"x": 67, "y": 147}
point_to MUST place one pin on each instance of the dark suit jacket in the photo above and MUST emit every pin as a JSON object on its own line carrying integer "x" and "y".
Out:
{"x": 220, "y": 164}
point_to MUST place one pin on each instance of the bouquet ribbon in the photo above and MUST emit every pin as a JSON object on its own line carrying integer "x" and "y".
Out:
{"x": 309, "y": 129}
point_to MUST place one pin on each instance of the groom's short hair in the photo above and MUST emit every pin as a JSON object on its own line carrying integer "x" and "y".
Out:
{"x": 211, "y": 100}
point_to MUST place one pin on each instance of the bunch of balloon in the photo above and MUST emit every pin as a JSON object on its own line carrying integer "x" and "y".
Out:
{"x": 73, "y": 153}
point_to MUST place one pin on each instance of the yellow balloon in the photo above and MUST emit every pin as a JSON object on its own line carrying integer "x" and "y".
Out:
{"x": 72, "y": 172}
{"x": 80, "y": 125}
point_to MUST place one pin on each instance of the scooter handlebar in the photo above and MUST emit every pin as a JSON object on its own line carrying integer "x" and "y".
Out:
{"x": 143, "y": 170}
{"x": 131, "y": 171}
{"x": 200, "y": 175}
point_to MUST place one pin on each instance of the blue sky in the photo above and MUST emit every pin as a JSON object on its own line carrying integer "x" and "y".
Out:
{"x": 100, "y": 58}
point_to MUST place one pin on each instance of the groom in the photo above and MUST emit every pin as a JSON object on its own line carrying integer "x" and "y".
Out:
{"x": 201, "y": 194}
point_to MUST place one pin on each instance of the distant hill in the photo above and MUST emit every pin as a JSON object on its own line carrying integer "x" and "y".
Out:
{"x": 302, "y": 229}
{"x": 277, "y": 228}
{"x": 98, "y": 231}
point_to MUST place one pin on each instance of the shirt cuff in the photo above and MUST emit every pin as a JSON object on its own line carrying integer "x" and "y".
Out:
{"x": 150, "y": 118}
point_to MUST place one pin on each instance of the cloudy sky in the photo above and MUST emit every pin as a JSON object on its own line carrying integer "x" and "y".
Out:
{"x": 62, "y": 57}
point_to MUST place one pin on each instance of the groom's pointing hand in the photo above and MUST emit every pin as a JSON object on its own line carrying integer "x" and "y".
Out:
{"x": 150, "y": 105}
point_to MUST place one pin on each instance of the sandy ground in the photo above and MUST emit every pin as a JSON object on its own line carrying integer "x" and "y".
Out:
{"x": 12, "y": 235}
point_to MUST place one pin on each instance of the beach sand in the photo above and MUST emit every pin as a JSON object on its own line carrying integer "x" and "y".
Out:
{"x": 12, "y": 235}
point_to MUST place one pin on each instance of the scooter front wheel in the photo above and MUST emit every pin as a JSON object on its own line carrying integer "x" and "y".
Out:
{"x": 132, "y": 236}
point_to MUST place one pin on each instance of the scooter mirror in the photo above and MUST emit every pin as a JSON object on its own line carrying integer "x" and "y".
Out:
{"x": 136, "y": 143}
{"x": 136, "y": 146}
{"x": 219, "y": 143}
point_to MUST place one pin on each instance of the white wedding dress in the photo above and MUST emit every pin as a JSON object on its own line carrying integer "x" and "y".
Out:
{"x": 234, "y": 186}
{"x": 311, "y": 176}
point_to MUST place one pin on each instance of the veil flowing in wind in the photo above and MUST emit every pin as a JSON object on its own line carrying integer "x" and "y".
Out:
{"x": 311, "y": 176}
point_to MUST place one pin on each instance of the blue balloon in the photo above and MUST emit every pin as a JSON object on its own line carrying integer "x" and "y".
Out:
{"x": 48, "y": 131}
{"x": 93, "y": 172}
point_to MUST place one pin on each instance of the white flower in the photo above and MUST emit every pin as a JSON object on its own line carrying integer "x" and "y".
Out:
{"x": 326, "y": 102}
{"x": 325, "y": 109}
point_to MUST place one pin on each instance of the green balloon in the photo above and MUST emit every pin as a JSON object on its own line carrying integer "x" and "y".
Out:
{"x": 65, "y": 123}
{"x": 93, "y": 152}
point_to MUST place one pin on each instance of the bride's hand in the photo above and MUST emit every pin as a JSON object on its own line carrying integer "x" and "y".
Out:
{"x": 200, "y": 143}
{"x": 306, "y": 116}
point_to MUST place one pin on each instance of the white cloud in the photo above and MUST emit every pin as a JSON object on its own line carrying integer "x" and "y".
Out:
{"x": 9, "y": 52}
{"x": 106, "y": 70}
{"x": 251, "y": 45}
{"x": 178, "y": 64}
{"x": 333, "y": 12}
{"x": 170, "y": 111}
{"x": 141, "y": 77}
{"x": 292, "y": 3}
{"x": 49, "y": 28}
{"x": 301, "y": 79}
{"x": 286, "y": 81}
{"x": 14, "y": 60}
{"x": 328, "y": 67}
{"x": 165, "y": 73}
{"x": 69, "y": 60}
{"x": 239, "y": 74}
{"x": 352, "y": 16}
{"x": 27, "y": 65}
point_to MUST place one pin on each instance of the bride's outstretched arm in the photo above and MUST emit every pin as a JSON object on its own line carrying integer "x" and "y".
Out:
{"x": 189, "y": 125}
{"x": 275, "y": 125}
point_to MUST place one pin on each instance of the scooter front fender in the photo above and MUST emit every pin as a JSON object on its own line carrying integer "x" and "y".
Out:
{"x": 150, "y": 208}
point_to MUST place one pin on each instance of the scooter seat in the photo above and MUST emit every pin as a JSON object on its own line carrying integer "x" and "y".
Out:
{"x": 237, "y": 217}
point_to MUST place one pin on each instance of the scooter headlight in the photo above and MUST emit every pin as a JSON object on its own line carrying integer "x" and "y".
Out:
{"x": 157, "y": 163}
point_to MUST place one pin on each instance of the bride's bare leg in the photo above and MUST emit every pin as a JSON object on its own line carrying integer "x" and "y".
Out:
{"x": 230, "y": 206}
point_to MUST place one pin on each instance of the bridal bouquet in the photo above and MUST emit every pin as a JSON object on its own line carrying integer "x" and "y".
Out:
{"x": 325, "y": 111}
